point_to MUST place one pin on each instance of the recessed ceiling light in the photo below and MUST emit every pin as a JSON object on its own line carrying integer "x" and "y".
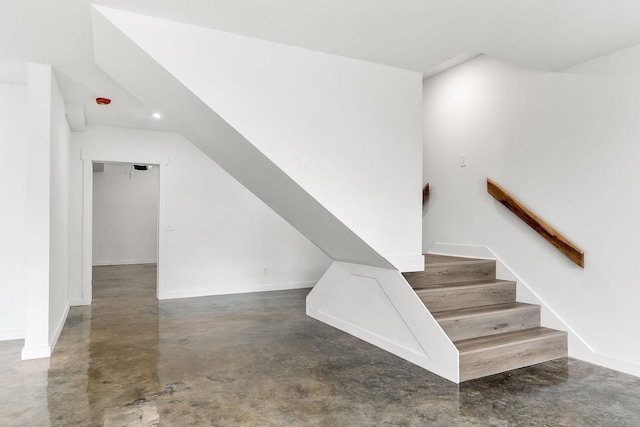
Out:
{"x": 156, "y": 116}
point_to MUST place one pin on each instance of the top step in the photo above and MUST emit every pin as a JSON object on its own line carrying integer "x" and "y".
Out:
{"x": 440, "y": 269}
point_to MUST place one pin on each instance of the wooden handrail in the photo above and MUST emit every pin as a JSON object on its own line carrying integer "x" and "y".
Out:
{"x": 425, "y": 193}
{"x": 564, "y": 245}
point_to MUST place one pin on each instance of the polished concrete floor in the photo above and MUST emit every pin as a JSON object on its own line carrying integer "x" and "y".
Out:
{"x": 257, "y": 360}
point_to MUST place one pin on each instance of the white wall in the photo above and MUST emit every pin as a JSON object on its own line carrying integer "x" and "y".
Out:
{"x": 345, "y": 131}
{"x": 59, "y": 211}
{"x": 565, "y": 145}
{"x": 13, "y": 205}
{"x": 224, "y": 236}
{"x": 125, "y": 215}
{"x": 47, "y": 214}
{"x": 39, "y": 91}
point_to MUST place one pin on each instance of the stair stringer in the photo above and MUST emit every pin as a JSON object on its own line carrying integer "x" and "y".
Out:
{"x": 379, "y": 306}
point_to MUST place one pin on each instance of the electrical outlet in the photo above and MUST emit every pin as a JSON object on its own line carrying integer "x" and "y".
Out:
{"x": 171, "y": 226}
{"x": 265, "y": 271}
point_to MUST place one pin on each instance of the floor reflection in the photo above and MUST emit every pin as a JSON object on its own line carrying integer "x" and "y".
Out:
{"x": 23, "y": 385}
{"x": 256, "y": 359}
{"x": 110, "y": 350}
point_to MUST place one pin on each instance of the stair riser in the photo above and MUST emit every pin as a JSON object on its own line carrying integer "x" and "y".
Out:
{"x": 473, "y": 296}
{"x": 495, "y": 360}
{"x": 438, "y": 274}
{"x": 491, "y": 324}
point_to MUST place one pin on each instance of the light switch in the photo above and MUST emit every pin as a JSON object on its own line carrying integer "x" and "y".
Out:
{"x": 463, "y": 160}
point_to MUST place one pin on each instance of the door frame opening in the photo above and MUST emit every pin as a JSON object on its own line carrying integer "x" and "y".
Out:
{"x": 88, "y": 158}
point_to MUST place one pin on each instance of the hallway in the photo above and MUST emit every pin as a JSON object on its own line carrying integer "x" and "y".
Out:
{"x": 256, "y": 359}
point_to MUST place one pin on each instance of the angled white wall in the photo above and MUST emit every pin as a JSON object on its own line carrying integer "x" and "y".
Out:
{"x": 125, "y": 215}
{"x": 331, "y": 144}
{"x": 13, "y": 187}
{"x": 565, "y": 144}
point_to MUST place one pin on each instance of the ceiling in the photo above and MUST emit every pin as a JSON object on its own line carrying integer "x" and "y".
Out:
{"x": 413, "y": 34}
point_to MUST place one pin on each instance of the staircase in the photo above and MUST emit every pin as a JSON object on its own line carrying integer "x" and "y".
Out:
{"x": 491, "y": 330}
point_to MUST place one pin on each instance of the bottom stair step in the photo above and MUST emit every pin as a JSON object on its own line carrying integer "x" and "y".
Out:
{"x": 489, "y": 355}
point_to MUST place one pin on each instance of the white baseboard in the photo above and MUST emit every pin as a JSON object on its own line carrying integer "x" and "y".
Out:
{"x": 407, "y": 263}
{"x": 11, "y": 334}
{"x": 77, "y": 302}
{"x": 582, "y": 352}
{"x": 46, "y": 351}
{"x": 125, "y": 262}
{"x": 192, "y": 293}
{"x": 29, "y": 353}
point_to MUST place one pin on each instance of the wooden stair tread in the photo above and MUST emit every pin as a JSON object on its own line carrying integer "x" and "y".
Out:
{"x": 506, "y": 339}
{"x": 432, "y": 260}
{"x": 479, "y": 313}
{"x": 456, "y": 296}
{"x": 481, "y": 321}
{"x": 460, "y": 285}
{"x": 442, "y": 269}
{"x": 482, "y": 356}
{"x": 482, "y": 310}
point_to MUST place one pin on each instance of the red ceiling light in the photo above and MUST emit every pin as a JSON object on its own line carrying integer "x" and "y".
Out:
{"x": 103, "y": 101}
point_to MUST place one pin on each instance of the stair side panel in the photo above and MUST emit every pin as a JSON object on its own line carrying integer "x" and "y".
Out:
{"x": 378, "y": 306}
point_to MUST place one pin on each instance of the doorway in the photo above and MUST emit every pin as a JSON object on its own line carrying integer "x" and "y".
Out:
{"x": 125, "y": 214}
{"x": 120, "y": 158}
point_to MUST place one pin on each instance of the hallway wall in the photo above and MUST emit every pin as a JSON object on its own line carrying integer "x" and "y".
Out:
{"x": 13, "y": 188}
{"x": 125, "y": 215}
